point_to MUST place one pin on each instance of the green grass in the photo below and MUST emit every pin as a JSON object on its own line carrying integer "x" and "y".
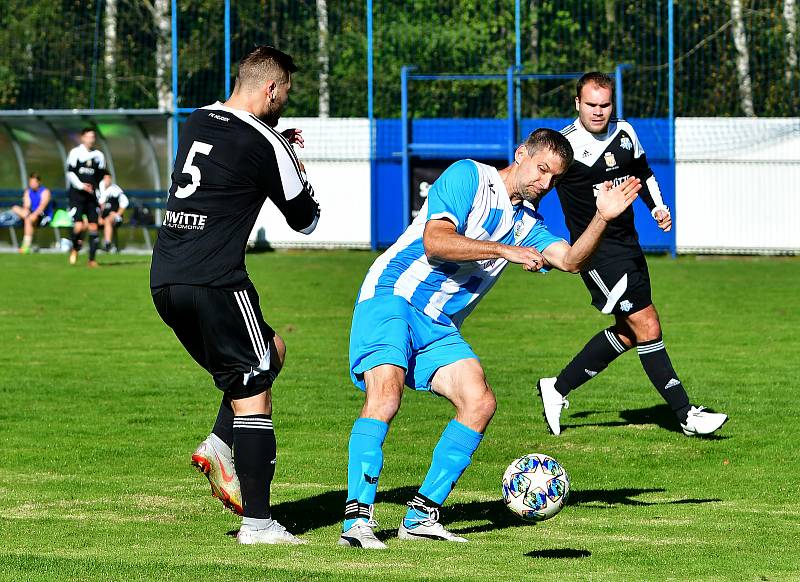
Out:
{"x": 101, "y": 408}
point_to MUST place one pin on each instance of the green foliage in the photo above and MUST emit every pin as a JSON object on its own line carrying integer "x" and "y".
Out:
{"x": 49, "y": 57}
{"x": 102, "y": 408}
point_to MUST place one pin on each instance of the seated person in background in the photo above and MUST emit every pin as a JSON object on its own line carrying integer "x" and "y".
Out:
{"x": 112, "y": 203}
{"x": 36, "y": 209}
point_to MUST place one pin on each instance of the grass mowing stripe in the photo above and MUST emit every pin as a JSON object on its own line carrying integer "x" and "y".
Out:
{"x": 102, "y": 408}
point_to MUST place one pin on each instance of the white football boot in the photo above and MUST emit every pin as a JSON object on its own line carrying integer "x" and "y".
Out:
{"x": 218, "y": 467}
{"x": 552, "y": 402}
{"x": 426, "y": 528}
{"x": 702, "y": 422}
{"x": 361, "y": 534}
{"x": 274, "y": 533}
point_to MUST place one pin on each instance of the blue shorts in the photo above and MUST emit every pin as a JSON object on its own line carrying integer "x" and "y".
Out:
{"x": 388, "y": 330}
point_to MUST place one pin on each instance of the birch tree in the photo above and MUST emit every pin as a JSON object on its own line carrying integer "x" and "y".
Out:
{"x": 159, "y": 9}
{"x": 742, "y": 59}
{"x": 323, "y": 59}
{"x": 791, "y": 39}
{"x": 110, "y": 52}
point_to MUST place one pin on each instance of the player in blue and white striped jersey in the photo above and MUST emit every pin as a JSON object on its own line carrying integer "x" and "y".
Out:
{"x": 406, "y": 322}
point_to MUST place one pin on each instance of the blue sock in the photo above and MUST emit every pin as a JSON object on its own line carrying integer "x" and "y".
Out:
{"x": 364, "y": 467}
{"x": 451, "y": 457}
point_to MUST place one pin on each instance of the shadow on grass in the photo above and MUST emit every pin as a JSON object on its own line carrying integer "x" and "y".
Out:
{"x": 660, "y": 415}
{"x": 326, "y": 509}
{"x": 559, "y": 554}
{"x": 613, "y": 497}
{"x": 103, "y": 264}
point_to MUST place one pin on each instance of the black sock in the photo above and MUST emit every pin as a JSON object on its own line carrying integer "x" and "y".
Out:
{"x": 658, "y": 367}
{"x": 223, "y": 427}
{"x": 595, "y": 357}
{"x": 254, "y": 443}
{"x": 77, "y": 240}
{"x": 92, "y": 245}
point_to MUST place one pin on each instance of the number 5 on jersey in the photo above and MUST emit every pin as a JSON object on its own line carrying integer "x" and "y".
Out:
{"x": 191, "y": 169}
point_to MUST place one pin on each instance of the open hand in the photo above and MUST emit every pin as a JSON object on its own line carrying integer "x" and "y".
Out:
{"x": 611, "y": 202}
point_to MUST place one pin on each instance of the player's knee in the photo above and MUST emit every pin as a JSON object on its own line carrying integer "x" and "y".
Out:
{"x": 486, "y": 406}
{"x": 650, "y": 328}
{"x": 383, "y": 395}
{"x": 382, "y": 403}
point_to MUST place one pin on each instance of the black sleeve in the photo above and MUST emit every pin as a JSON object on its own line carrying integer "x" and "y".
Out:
{"x": 301, "y": 212}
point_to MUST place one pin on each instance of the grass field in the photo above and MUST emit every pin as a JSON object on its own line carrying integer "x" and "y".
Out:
{"x": 101, "y": 409}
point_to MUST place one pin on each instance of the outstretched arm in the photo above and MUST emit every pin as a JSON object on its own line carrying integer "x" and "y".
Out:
{"x": 443, "y": 242}
{"x": 611, "y": 202}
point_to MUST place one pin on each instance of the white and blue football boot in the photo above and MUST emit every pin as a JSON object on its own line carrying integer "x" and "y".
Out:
{"x": 361, "y": 534}
{"x": 426, "y": 526}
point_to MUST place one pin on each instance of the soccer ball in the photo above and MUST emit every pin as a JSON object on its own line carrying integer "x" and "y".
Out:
{"x": 535, "y": 487}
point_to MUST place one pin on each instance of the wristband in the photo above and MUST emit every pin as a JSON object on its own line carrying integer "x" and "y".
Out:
{"x": 663, "y": 207}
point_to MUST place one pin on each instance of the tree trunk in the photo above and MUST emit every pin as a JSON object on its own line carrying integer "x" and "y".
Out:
{"x": 742, "y": 59}
{"x": 161, "y": 17}
{"x": 791, "y": 39}
{"x": 610, "y": 12}
{"x": 323, "y": 58}
{"x": 110, "y": 53}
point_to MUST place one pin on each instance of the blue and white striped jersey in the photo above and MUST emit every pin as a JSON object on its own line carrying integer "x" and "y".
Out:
{"x": 474, "y": 198}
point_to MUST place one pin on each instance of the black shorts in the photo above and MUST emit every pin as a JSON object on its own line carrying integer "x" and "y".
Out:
{"x": 107, "y": 211}
{"x": 621, "y": 288}
{"x": 224, "y": 331}
{"x": 83, "y": 204}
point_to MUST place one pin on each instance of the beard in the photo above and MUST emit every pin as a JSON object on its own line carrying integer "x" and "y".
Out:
{"x": 271, "y": 118}
{"x": 533, "y": 198}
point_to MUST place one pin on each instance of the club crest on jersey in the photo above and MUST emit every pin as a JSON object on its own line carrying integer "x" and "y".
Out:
{"x": 586, "y": 154}
{"x": 519, "y": 227}
{"x": 611, "y": 161}
{"x": 625, "y": 143}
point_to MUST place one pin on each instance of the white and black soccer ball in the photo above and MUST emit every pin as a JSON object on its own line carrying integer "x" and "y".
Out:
{"x": 535, "y": 487}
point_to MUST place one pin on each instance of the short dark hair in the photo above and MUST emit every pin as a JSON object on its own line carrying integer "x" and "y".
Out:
{"x": 550, "y": 139}
{"x": 264, "y": 63}
{"x": 595, "y": 78}
{"x": 34, "y": 175}
{"x": 86, "y": 130}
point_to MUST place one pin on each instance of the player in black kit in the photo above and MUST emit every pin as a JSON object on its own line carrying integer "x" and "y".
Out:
{"x": 617, "y": 278}
{"x": 230, "y": 160}
{"x": 86, "y": 167}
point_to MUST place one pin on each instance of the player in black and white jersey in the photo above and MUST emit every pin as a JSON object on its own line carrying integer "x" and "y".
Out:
{"x": 86, "y": 167}
{"x": 112, "y": 203}
{"x": 617, "y": 277}
{"x": 230, "y": 160}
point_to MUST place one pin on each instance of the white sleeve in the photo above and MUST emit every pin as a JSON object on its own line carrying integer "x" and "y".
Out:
{"x": 72, "y": 163}
{"x": 655, "y": 193}
{"x": 123, "y": 200}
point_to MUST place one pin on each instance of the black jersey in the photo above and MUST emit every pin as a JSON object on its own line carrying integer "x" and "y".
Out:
{"x": 229, "y": 162}
{"x": 85, "y": 166}
{"x": 613, "y": 156}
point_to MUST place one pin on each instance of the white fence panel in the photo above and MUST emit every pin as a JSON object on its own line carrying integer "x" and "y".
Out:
{"x": 737, "y": 185}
